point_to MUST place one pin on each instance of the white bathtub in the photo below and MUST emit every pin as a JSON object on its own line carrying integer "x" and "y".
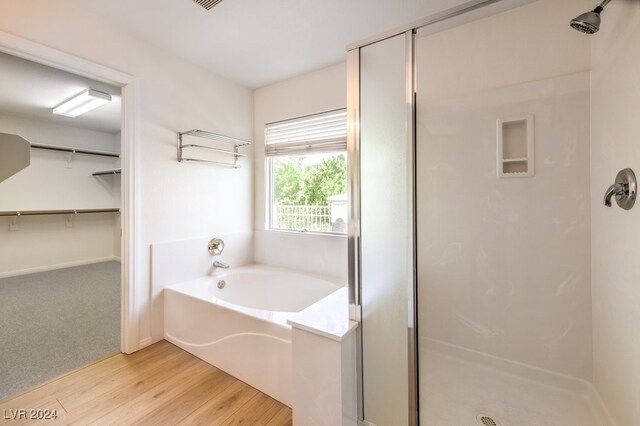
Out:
{"x": 242, "y": 327}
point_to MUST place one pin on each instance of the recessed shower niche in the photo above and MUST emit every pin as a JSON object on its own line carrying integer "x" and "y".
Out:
{"x": 515, "y": 147}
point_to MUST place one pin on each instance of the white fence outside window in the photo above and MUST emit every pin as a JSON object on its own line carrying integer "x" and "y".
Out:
{"x": 307, "y": 218}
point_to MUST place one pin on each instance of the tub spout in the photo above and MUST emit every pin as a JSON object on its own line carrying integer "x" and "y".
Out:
{"x": 219, "y": 264}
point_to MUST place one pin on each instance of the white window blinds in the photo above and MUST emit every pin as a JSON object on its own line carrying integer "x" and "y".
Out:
{"x": 324, "y": 132}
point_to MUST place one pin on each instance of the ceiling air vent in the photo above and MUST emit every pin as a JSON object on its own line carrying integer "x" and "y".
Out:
{"x": 208, "y": 4}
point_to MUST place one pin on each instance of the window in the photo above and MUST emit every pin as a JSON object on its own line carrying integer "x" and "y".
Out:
{"x": 307, "y": 173}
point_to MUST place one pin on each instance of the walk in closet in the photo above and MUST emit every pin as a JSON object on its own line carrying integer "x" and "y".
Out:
{"x": 60, "y": 233}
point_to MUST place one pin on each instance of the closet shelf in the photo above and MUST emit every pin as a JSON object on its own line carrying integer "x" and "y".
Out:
{"x": 234, "y": 152}
{"x": 108, "y": 172}
{"x": 75, "y": 150}
{"x": 54, "y": 212}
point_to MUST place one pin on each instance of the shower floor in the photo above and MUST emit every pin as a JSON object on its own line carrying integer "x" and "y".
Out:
{"x": 458, "y": 385}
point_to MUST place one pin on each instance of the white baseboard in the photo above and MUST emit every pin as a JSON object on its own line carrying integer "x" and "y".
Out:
{"x": 145, "y": 342}
{"x": 57, "y": 266}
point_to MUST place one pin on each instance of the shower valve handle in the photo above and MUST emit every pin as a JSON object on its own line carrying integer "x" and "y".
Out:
{"x": 615, "y": 189}
{"x": 624, "y": 189}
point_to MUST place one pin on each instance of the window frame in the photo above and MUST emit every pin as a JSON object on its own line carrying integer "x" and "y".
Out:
{"x": 269, "y": 179}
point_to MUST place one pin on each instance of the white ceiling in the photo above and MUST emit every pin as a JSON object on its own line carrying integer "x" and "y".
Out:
{"x": 258, "y": 42}
{"x": 31, "y": 90}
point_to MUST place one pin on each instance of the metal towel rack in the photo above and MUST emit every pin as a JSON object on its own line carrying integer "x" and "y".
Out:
{"x": 75, "y": 150}
{"x": 52, "y": 212}
{"x": 235, "y": 143}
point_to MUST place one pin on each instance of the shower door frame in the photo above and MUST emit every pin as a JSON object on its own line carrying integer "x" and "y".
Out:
{"x": 354, "y": 248}
{"x": 354, "y": 170}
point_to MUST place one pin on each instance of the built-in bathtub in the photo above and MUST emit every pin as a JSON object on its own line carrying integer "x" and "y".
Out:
{"x": 241, "y": 327}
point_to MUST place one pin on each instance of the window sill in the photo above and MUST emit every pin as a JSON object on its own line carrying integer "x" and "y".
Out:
{"x": 317, "y": 234}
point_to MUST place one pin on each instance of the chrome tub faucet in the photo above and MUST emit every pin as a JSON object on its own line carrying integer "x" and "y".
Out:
{"x": 216, "y": 246}
{"x": 220, "y": 264}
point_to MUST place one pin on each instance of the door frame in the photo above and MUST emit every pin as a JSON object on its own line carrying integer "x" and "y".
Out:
{"x": 130, "y": 87}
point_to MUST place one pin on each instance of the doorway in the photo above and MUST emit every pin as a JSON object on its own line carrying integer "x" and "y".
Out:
{"x": 114, "y": 177}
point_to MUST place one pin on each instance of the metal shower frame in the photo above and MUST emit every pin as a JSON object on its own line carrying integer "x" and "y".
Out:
{"x": 354, "y": 237}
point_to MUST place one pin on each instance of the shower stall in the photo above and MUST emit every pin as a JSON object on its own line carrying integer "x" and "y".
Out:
{"x": 470, "y": 228}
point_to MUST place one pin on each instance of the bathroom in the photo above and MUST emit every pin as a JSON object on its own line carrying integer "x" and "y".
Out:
{"x": 471, "y": 275}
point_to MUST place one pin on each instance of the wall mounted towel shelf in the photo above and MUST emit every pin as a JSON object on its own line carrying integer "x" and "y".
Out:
{"x": 75, "y": 150}
{"x": 220, "y": 140}
{"x": 108, "y": 172}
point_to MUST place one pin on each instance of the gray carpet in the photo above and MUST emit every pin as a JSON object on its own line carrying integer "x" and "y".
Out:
{"x": 54, "y": 322}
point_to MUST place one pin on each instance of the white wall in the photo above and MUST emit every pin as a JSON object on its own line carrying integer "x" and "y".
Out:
{"x": 310, "y": 93}
{"x": 615, "y": 144}
{"x": 44, "y": 242}
{"x": 176, "y": 200}
{"x": 504, "y": 263}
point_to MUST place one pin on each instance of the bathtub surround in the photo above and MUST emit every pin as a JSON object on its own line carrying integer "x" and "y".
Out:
{"x": 615, "y": 138}
{"x": 56, "y": 321}
{"x": 175, "y": 201}
{"x": 324, "y": 90}
{"x": 317, "y": 254}
{"x": 177, "y": 261}
{"x": 51, "y": 182}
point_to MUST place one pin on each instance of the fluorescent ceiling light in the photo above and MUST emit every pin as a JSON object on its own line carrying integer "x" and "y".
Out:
{"x": 83, "y": 102}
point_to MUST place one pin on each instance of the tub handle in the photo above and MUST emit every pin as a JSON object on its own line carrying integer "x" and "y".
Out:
{"x": 216, "y": 246}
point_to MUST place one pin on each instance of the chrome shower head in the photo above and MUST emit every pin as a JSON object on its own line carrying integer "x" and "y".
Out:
{"x": 589, "y": 22}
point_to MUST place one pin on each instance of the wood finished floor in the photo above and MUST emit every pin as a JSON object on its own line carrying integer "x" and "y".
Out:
{"x": 159, "y": 385}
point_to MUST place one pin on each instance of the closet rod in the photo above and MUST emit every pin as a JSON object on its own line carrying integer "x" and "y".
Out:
{"x": 108, "y": 172}
{"x": 51, "y": 212}
{"x": 75, "y": 150}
